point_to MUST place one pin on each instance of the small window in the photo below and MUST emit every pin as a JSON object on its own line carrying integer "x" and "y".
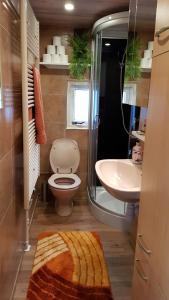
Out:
{"x": 129, "y": 94}
{"x": 78, "y": 105}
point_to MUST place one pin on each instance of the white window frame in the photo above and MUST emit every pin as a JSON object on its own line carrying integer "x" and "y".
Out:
{"x": 70, "y": 106}
{"x": 131, "y": 90}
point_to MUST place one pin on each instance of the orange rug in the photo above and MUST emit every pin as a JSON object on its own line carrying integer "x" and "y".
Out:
{"x": 69, "y": 266}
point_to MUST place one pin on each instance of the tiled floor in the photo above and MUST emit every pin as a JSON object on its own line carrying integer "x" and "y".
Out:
{"x": 118, "y": 252}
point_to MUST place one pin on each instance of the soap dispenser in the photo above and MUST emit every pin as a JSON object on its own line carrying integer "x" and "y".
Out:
{"x": 137, "y": 154}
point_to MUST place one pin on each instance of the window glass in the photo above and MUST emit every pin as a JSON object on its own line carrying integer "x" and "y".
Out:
{"x": 77, "y": 105}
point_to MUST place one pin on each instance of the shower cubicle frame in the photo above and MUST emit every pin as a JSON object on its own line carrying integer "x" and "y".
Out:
{"x": 109, "y": 21}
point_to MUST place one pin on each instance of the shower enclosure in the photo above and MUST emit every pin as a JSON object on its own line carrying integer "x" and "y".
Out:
{"x": 106, "y": 208}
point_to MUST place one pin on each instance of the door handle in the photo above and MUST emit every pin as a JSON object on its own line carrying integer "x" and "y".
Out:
{"x": 142, "y": 246}
{"x": 139, "y": 271}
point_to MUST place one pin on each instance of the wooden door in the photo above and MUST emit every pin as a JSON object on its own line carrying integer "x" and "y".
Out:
{"x": 154, "y": 205}
{"x": 159, "y": 114}
{"x": 153, "y": 152}
{"x": 154, "y": 290}
{"x": 140, "y": 287}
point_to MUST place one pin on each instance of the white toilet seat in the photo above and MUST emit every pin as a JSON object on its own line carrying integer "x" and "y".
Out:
{"x": 69, "y": 186}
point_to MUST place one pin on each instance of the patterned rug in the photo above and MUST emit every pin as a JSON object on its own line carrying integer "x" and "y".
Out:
{"x": 69, "y": 266}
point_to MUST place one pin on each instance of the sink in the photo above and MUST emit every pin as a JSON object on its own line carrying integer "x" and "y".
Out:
{"x": 121, "y": 178}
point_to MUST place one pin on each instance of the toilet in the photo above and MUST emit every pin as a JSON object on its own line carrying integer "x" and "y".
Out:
{"x": 64, "y": 183}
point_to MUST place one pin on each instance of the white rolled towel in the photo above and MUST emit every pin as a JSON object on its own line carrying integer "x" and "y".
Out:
{"x": 57, "y": 40}
{"x": 51, "y": 49}
{"x": 64, "y": 59}
{"x": 144, "y": 63}
{"x": 150, "y": 45}
{"x": 147, "y": 53}
{"x": 149, "y": 63}
{"x": 65, "y": 40}
{"x": 47, "y": 58}
{"x": 56, "y": 59}
{"x": 61, "y": 50}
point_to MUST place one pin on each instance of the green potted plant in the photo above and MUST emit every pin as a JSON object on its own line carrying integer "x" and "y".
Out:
{"x": 80, "y": 60}
{"x": 133, "y": 60}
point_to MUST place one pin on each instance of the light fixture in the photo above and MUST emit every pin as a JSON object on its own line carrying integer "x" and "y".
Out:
{"x": 69, "y": 6}
{"x": 107, "y": 44}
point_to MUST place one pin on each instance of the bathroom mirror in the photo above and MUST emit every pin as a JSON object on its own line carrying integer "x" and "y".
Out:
{"x": 139, "y": 52}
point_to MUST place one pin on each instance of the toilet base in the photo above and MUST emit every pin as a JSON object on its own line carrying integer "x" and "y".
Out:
{"x": 63, "y": 210}
{"x": 63, "y": 201}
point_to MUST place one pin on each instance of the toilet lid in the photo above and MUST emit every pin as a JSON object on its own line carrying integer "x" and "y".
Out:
{"x": 64, "y": 156}
{"x": 75, "y": 181}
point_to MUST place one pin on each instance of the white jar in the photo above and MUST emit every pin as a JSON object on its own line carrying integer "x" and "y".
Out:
{"x": 137, "y": 154}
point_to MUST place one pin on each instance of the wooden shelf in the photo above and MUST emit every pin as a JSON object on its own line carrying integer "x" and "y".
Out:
{"x": 146, "y": 70}
{"x": 139, "y": 135}
{"x": 54, "y": 66}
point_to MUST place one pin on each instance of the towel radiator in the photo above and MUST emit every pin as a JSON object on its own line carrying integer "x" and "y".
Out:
{"x": 31, "y": 150}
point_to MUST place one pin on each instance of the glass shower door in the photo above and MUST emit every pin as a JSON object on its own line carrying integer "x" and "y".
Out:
{"x": 94, "y": 114}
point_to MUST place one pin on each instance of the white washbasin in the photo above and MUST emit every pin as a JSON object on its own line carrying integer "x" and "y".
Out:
{"x": 121, "y": 178}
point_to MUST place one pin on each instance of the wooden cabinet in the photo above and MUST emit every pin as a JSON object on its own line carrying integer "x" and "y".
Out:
{"x": 141, "y": 274}
{"x": 140, "y": 290}
{"x": 146, "y": 288}
{"x": 154, "y": 291}
{"x": 159, "y": 115}
{"x": 161, "y": 42}
{"x": 155, "y": 181}
{"x": 153, "y": 224}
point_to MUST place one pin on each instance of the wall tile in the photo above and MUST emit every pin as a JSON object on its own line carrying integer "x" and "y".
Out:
{"x": 44, "y": 158}
{"x": 81, "y": 136}
{"x": 11, "y": 152}
{"x": 6, "y": 184}
{"x": 54, "y": 131}
{"x": 55, "y": 108}
{"x": 10, "y": 253}
{"x": 54, "y": 92}
{"x": 53, "y": 83}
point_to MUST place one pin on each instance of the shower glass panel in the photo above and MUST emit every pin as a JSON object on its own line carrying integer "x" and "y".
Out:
{"x": 114, "y": 26}
{"x": 94, "y": 113}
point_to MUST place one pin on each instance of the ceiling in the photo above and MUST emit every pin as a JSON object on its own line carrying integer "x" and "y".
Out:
{"x": 51, "y": 12}
{"x": 145, "y": 15}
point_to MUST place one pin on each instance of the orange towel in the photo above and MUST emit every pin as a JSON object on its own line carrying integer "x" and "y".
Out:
{"x": 39, "y": 115}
